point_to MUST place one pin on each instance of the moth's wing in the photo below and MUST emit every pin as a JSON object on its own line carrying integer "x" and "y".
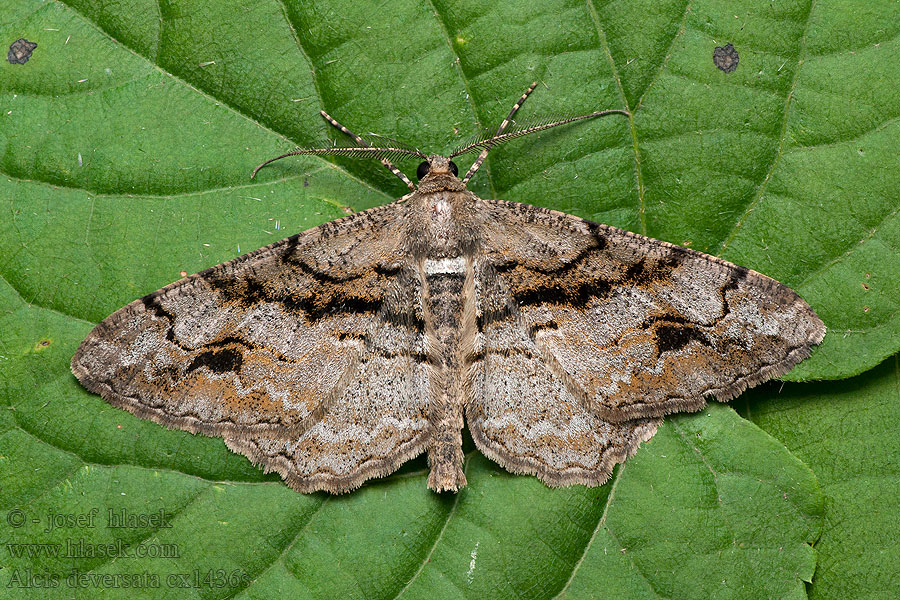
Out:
{"x": 522, "y": 416}
{"x": 260, "y": 344}
{"x": 636, "y": 327}
{"x": 379, "y": 421}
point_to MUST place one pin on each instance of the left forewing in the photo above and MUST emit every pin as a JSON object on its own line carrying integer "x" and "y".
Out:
{"x": 257, "y": 344}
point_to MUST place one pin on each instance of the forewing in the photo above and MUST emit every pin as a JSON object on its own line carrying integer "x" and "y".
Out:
{"x": 259, "y": 344}
{"x": 636, "y": 327}
{"x": 376, "y": 421}
{"x": 525, "y": 418}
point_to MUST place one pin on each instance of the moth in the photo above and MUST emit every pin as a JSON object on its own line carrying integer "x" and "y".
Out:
{"x": 339, "y": 353}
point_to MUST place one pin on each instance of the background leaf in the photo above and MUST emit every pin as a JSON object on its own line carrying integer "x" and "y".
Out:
{"x": 854, "y": 454}
{"x": 126, "y": 143}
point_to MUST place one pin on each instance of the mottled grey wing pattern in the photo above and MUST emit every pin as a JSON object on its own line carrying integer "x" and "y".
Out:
{"x": 379, "y": 422}
{"x": 635, "y": 327}
{"x": 523, "y": 416}
{"x": 280, "y": 351}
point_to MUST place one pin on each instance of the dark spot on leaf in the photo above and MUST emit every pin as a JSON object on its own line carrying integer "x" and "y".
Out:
{"x": 20, "y": 51}
{"x": 42, "y": 344}
{"x": 306, "y": 182}
{"x": 726, "y": 58}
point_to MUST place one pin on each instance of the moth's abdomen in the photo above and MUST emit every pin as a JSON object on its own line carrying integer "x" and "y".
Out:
{"x": 444, "y": 281}
{"x": 449, "y": 306}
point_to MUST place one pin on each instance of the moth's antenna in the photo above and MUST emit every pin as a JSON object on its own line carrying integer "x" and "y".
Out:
{"x": 364, "y": 143}
{"x": 364, "y": 148}
{"x": 477, "y": 164}
{"x": 498, "y": 138}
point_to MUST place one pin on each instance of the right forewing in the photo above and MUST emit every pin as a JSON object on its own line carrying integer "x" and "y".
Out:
{"x": 636, "y": 327}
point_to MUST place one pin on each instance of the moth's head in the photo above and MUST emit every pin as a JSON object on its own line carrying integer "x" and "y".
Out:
{"x": 436, "y": 166}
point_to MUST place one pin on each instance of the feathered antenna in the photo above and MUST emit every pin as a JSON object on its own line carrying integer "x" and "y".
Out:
{"x": 500, "y": 130}
{"x": 486, "y": 144}
{"x": 395, "y": 143}
{"x": 364, "y": 149}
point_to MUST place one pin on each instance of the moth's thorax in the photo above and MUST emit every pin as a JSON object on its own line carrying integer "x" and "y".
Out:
{"x": 443, "y": 221}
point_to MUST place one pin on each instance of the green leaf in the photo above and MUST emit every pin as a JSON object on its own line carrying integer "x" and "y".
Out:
{"x": 849, "y": 434}
{"x": 126, "y": 144}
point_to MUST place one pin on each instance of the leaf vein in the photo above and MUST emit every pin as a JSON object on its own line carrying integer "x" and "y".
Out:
{"x": 665, "y": 61}
{"x": 437, "y": 539}
{"x": 760, "y": 191}
{"x": 601, "y": 35}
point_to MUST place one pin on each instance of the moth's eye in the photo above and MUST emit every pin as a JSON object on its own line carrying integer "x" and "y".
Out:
{"x": 423, "y": 169}
{"x": 453, "y": 168}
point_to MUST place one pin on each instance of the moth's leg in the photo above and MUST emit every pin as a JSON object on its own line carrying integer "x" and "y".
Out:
{"x": 366, "y": 144}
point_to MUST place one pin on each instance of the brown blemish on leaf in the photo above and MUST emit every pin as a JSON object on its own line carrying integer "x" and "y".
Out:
{"x": 20, "y": 51}
{"x": 726, "y": 58}
{"x": 42, "y": 344}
